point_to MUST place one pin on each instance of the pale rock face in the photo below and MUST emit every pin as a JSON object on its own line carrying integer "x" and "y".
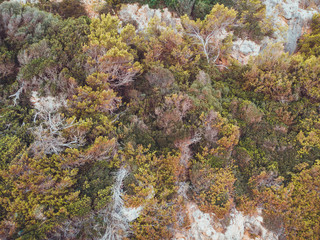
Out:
{"x": 140, "y": 16}
{"x": 291, "y": 18}
{"x": 25, "y": 1}
{"x": 204, "y": 226}
{"x": 243, "y": 49}
{"x": 291, "y": 22}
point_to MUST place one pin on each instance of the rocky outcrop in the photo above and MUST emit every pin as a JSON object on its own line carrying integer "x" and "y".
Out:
{"x": 291, "y": 18}
{"x": 291, "y": 21}
{"x": 141, "y": 15}
{"x": 204, "y": 226}
{"x": 243, "y": 49}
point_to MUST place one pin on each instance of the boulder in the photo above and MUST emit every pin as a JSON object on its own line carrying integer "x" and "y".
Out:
{"x": 243, "y": 49}
{"x": 141, "y": 15}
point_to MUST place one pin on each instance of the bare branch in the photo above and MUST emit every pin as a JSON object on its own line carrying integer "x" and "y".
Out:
{"x": 118, "y": 217}
{"x": 16, "y": 96}
{"x": 49, "y": 134}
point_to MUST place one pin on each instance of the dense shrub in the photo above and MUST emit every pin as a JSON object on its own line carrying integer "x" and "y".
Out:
{"x": 109, "y": 131}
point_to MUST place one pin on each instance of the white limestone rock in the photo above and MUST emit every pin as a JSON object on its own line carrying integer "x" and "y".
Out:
{"x": 141, "y": 15}
{"x": 206, "y": 226}
{"x": 243, "y": 49}
{"x": 293, "y": 21}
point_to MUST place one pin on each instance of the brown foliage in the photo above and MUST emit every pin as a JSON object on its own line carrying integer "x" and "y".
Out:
{"x": 212, "y": 187}
{"x": 297, "y": 204}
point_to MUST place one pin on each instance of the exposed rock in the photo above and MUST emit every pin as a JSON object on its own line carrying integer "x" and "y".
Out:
{"x": 25, "y": 1}
{"x": 204, "y": 226}
{"x": 140, "y": 16}
{"x": 243, "y": 49}
{"x": 247, "y": 47}
{"x": 293, "y": 21}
